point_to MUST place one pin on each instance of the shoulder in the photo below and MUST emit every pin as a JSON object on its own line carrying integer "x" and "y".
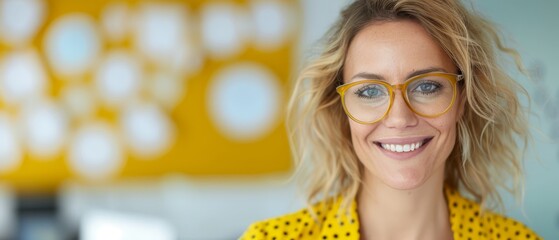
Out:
{"x": 283, "y": 227}
{"x": 302, "y": 225}
{"x": 468, "y": 221}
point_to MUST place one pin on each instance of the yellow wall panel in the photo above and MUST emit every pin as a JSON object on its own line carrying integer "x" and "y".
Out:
{"x": 126, "y": 96}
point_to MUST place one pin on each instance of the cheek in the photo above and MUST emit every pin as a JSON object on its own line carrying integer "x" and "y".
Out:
{"x": 448, "y": 121}
{"x": 359, "y": 132}
{"x": 447, "y": 136}
{"x": 446, "y": 128}
{"x": 359, "y": 136}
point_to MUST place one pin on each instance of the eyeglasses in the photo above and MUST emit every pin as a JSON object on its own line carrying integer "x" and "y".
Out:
{"x": 428, "y": 95}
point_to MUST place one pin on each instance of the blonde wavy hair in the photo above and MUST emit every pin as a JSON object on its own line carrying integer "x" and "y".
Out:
{"x": 487, "y": 153}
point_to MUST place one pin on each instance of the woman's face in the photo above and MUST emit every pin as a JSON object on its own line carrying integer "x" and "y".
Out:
{"x": 394, "y": 51}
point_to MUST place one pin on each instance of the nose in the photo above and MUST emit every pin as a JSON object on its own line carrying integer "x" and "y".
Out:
{"x": 400, "y": 115}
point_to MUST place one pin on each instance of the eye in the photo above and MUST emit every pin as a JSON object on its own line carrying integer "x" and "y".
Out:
{"x": 371, "y": 91}
{"x": 426, "y": 87}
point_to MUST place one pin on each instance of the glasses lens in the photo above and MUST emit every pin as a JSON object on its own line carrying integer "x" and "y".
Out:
{"x": 430, "y": 95}
{"x": 367, "y": 102}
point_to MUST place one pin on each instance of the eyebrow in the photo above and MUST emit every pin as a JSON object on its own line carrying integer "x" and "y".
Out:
{"x": 367, "y": 75}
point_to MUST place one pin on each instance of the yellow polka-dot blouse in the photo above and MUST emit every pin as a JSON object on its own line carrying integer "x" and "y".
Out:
{"x": 466, "y": 220}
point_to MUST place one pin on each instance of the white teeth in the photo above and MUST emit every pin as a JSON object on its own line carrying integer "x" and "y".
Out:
{"x": 402, "y": 148}
{"x": 407, "y": 148}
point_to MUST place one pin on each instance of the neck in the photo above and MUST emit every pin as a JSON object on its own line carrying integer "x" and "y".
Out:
{"x": 388, "y": 213}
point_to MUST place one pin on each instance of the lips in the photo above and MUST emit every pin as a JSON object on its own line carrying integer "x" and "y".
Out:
{"x": 403, "y": 145}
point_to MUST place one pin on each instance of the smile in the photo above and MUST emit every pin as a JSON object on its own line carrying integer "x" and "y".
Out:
{"x": 403, "y": 147}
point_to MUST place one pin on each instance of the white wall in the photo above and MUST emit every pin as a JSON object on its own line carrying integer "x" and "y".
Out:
{"x": 533, "y": 27}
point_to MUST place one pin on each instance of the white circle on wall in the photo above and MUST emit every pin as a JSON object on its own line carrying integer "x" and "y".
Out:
{"x": 79, "y": 100}
{"x": 44, "y": 127}
{"x": 95, "y": 151}
{"x": 116, "y": 19}
{"x": 10, "y": 149}
{"x": 118, "y": 78}
{"x": 224, "y": 29}
{"x": 244, "y": 101}
{"x": 160, "y": 29}
{"x": 22, "y": 77}
{"x": 167, "y": 89}
{"x": 72, "y": 44}
{"x": 148, "y": 131}
{"x": 20, "y": 20}
{"x": 273, "y": 22}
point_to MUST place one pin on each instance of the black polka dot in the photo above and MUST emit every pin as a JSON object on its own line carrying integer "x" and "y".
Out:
{"x": 286, "y": 222}
{"x": 329, "y": 225}
{"x": 528, "y": 235}
{"x": 335, "y": 235}
{"x": 348, "y": 233}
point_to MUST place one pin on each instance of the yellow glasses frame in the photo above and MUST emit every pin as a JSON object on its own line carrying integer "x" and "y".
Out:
{"x": 453, "y": 78}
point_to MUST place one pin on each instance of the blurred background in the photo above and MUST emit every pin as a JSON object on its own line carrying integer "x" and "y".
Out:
{"x": 137, "y": 119}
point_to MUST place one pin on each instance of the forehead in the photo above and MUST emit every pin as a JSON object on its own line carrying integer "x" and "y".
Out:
{"x": 393, "y": 49}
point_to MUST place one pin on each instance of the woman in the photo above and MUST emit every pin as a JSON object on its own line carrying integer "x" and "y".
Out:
{"x": 406, "y": 106}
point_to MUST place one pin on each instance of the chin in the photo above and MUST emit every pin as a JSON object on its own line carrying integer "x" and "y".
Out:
{"x": 407, "y": 180}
